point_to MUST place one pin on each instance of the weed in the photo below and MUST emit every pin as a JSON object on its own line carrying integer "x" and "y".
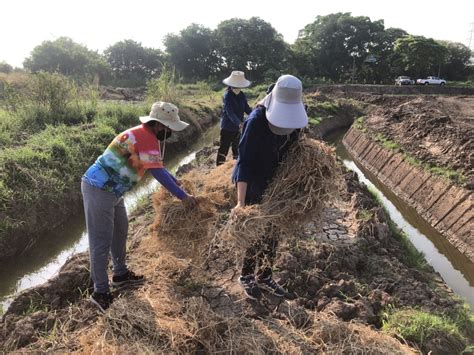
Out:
{"x": 419, "y": 327}
{"x": 364, "y": 215}
{"x": 164, "y": 88}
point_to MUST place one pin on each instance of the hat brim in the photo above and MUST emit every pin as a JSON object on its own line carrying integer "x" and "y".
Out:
{"x": 236, "y": 84}
{"x": 174, "y": 126}
{"x": 283, "y": 115}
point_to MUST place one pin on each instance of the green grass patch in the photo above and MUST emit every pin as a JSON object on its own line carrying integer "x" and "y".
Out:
{"x": 419, "y": 328}
{"x": 360, "y": 124}
{"x": 315, "y": 120}
{"x": 364, "y": 215}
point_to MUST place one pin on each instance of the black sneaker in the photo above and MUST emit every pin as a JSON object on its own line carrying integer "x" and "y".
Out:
{"x": 102, "y": 300}
{"x": 250, "y": 287}
{"x": 130, "y": 278}
{"x": 270, "y": 285}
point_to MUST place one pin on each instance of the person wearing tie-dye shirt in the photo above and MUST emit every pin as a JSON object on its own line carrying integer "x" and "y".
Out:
{"x": 123, "y": 164}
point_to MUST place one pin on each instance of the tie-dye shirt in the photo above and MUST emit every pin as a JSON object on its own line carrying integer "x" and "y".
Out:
{"x": 125, "y": 161}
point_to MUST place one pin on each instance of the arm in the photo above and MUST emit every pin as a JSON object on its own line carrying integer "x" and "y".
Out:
{"x": 228, "y": 109}
{"x": 248, "y": 110}
{"x": 168, "y": 182}
{"x": 241, "y": 193}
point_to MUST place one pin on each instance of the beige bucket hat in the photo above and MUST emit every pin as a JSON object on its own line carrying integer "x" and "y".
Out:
{"x": 237, "y": 80}
{"x": 167, "y": 114}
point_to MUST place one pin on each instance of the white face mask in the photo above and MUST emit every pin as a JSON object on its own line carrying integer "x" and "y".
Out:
{"x": 236, "y": 91}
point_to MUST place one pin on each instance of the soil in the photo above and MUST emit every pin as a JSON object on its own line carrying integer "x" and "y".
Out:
{"x": 342, "y": 272}
{"x": 436, "y": 130}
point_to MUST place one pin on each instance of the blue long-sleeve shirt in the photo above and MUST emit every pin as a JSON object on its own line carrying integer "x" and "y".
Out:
{"x": 260, "y": 152}
{"x": 234, "y": 108}
{"x": 168, "y": 181}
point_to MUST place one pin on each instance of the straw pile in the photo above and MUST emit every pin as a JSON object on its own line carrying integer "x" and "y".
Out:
{"x": 305, "y": 181}
{"x": 214, "y": 192}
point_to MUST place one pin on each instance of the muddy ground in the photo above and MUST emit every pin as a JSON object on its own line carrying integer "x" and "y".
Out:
{"x": 434, "y": 130}
{"x": 344, "y": 272}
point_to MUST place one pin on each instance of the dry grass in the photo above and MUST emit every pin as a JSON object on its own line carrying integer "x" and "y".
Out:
{"x": 306, "y": 180}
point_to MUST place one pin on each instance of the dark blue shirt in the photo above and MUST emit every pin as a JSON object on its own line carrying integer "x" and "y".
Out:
{"x": 260, "y": 152}
{"x": 234, "y": 108}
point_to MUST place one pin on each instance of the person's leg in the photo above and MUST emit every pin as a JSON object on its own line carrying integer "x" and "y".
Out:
{"x": 267, "y": 257}
{"x": 247, "y": 277}
{"x": 119, "y": 241}
{"x": 224, "y": 145}
{"x": 235, "y": 145}
{"x": 264, "y": 273}
{"x": 99, "y": 213}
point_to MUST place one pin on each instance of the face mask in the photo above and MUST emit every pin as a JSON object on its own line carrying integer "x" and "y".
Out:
{"x": 236, "y": 91}
{"x": 163, "y": 134}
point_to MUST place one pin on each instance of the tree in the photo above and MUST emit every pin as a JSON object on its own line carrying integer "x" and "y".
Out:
{"x": 420, "y": 56}
{"x": 387, "y": 64}
{"x": 66, "y": 57}
{"x": 193, "y": 52}
{"x": 457, "y": 61}
{"x": 132, "y": 63}
{"x": 253, "y": 46}
{"x": 5, "y": 67}
{"x": 335, "y": 45}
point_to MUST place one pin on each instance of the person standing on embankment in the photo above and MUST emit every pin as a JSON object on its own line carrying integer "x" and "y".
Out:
{"x": 267, "y": 134}
{"x": 115, "y": 172}
{"x": 235, "y": 105}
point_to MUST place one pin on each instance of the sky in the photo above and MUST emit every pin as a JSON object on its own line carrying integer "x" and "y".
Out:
{"x": 98, "y": 24}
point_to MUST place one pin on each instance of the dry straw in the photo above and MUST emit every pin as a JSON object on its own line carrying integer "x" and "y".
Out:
{"x": 304, "y": 182}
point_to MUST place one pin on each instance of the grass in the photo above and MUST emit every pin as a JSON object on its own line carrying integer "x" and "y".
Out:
{"x": 364, "y": 215}
{"x": 419, "y": 327}
{"x": 46, "y": 146}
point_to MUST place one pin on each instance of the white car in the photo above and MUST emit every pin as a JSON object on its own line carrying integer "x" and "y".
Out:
{"x": 431, "y": 80}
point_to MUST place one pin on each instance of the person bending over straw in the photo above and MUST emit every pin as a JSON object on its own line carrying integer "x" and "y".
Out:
{"x": 267, "y": 134}
{"x": 115, "y": 172}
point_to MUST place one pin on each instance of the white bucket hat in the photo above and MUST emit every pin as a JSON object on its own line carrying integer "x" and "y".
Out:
{"x": 237, "y": 80}
{"x": 284, "y": 106}
{"x": 167, "y": 114}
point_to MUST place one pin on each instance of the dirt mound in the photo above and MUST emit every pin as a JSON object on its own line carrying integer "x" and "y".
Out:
{"x": 436, "y": 131}
{"x": 191, "y": 301}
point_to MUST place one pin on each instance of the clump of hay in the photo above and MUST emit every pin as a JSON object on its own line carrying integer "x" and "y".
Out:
{"x": 305, "y": 181}
{"x": 213, "y": 191}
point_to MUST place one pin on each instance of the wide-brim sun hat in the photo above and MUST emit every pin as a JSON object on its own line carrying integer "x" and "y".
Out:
{"x": 167, "y": 114}
{"x": 284, "y": 105}
{"x": 237, "y": 80}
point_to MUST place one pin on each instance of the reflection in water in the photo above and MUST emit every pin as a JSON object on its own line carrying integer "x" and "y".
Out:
{"x": 44, "y": 260}
{"x": 455, "y": 269}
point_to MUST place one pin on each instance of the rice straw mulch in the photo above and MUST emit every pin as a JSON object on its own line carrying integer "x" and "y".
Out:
{"x": 304, "y": 182}
{"x": 308, "y": 178}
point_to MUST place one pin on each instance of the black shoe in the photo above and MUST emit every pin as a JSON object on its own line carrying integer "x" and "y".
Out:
{"x": 127, "y": 279}
{"x": 270, "y": 285}
{"x": 250, "y": 287}
{"x": 102, "y": 300}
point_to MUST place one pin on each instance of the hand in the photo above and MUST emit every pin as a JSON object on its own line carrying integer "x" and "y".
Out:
{"x": 237, "y": 208}
{"x": 189, "y": 202}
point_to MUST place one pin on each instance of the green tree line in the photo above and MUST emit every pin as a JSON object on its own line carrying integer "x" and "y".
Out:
{"x": 335, "y": 48}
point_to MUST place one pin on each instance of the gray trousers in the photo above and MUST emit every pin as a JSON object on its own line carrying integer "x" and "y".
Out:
{"x": 107, "y": 227}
